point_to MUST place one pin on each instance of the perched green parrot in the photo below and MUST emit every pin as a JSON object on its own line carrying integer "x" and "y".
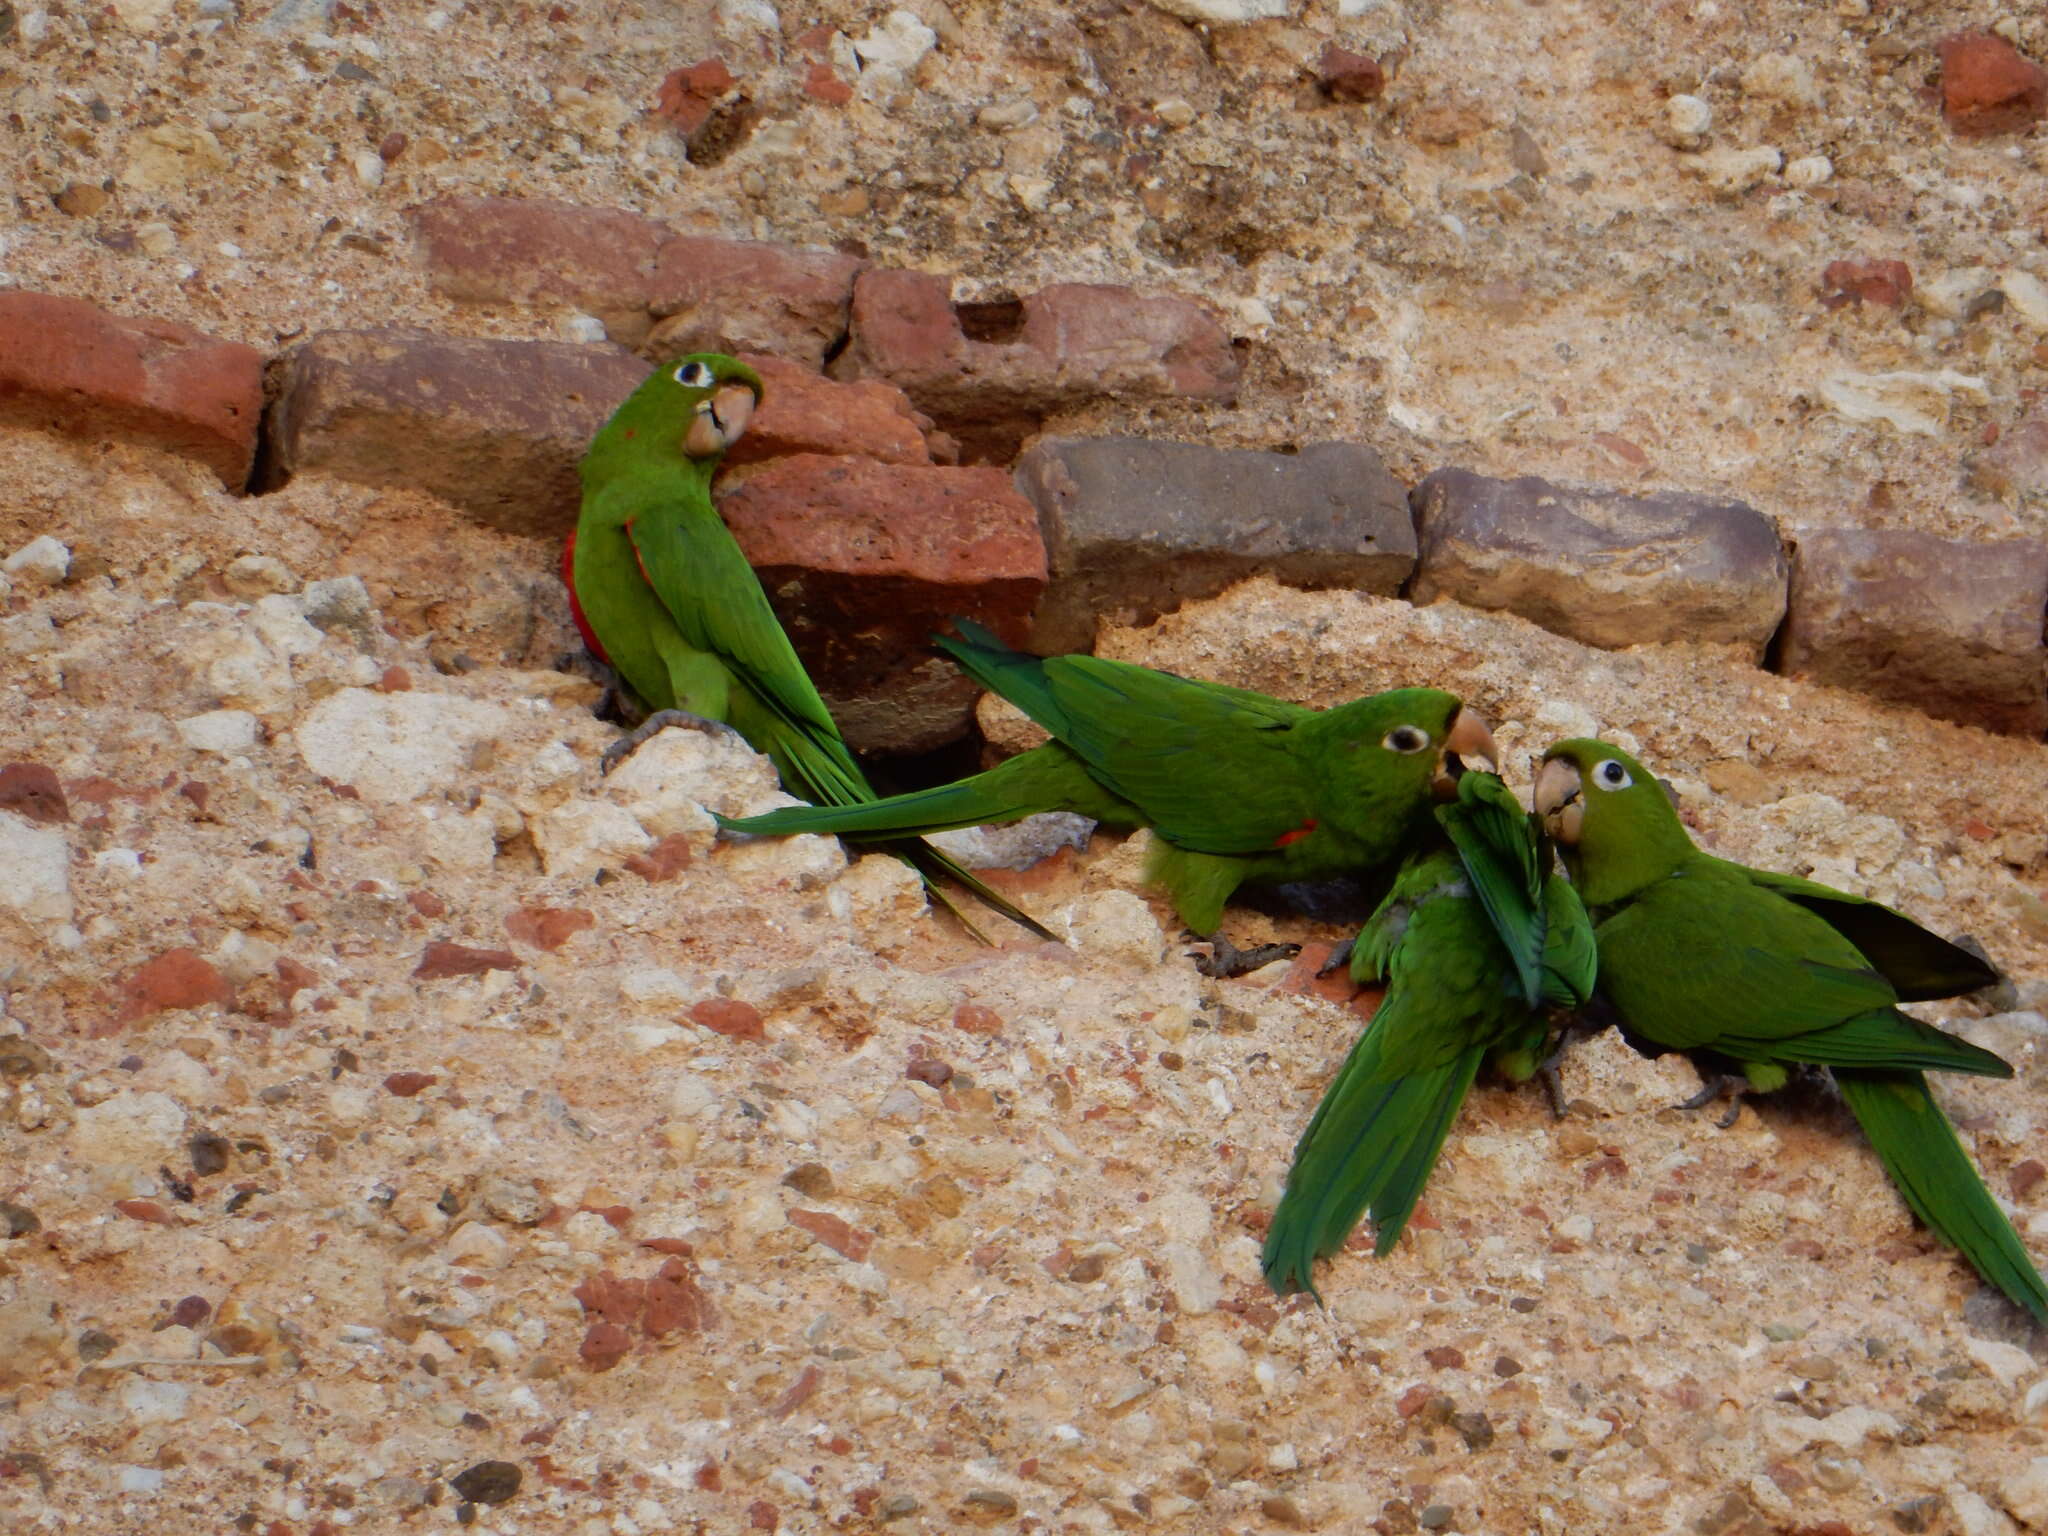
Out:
{"x": 1762, "y": 972}
{"x": 1237, "y": 786}
{"x": 664, "y": 596}
{"x": 1478, "y": 938}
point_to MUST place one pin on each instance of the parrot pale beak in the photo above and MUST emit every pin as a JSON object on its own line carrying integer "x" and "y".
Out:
{"x": 719, "y": 421}
{"x": 1468, "y": 741}
{"x": 1559, "y": 800}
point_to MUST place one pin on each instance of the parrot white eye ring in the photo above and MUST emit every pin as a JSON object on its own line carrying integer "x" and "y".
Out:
{"x": 695, "y": 376}
{"x": 1405, "y": 739}
{"x": 1609, "y": 774}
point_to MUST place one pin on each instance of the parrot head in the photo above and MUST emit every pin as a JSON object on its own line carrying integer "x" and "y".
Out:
{"x": 1413, "y": 743}
{"x": 696, "y": 405}
{"x": 1611, "y": 818}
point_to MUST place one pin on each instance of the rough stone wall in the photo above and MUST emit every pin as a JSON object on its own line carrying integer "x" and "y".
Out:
{"x": 402, "y": 1125}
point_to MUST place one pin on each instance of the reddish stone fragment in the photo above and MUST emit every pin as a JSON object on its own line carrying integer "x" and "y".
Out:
{"x": 847, "y": 1241}
{"x": 930, "y": 1071}
{"x": 510, "y": 250}
{"x": 864, "y": 560}
{"x": 406, "y": 1085}
{"x": 674, "y": 1301}
{"x": 761, "y": 1516}
{"x": 976, "y": 1019}
{"x": 143, "y": 1210}
{"x": 797, "y": 1393}
{"x": 1414, "y": 1400}
{"x": 805, "y": 412}
{"x": 744, "y": 296}
{"x": 2024, "y": 1177}
{"x": 293, "y": 978}
{"x": 177, "y": 978}
{"x": 1988, "y": 86}
{"x": 197, "y": 793}
{"x": 493, "y": 427}
{"x": 69, "y": 367}
{"x": 820, "y": 84}
{"x": 548, "y": 927}
{"x": 1886, "y": 283}
{"x": 1347, "y": 76}
{"x": 729, "y": 1016}
{"x": 676, "y": 1245}
{"x": 394, "y": 680}
{"x": 33, "y": 790}
{"x": 664, "y": 860}
{"x": 441, "y": 958}
{"x": 687, "y": 96}
{"x": 604, "y": 1346}
{"x": 426, "y": 903}
{"x": 1445, "y": 1357}
{"x": 612, "y": 1298}
{"x": 191, "y": 1311}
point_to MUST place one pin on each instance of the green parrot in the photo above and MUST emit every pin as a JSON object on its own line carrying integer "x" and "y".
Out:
{"x": 663, "y": 595}
{"x": 1764, "y": 972}
{"x": 1478, "y": 938}
{"x": 1237, "y": 786}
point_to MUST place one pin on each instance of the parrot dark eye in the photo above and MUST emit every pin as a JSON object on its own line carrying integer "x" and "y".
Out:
{"x": 1609, "y": 774}
{"x": 695, "y": 376}
{"x": 1405, "y": 739}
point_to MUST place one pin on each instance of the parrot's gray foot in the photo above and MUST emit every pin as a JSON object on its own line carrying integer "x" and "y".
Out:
{"x": 1553, "y": 1084}
{"x": 1340, "y": 957}
{"x": 1224, "y": 959}
{"x": 656, "y": 723}
{"x": 1719, "y": 1085}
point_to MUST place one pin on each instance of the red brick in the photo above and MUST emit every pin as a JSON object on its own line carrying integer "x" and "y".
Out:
{"x": 990, "y": 371}
{"x": 493, "y": 427}
{"x": 804, "y": 412}
{"x": 717, "y": 295}
{"x": 865, "y": 560}
{"x": 1989, "y": 87}
{"x": 510, "y": 250}
{"x": 67, "y": 366}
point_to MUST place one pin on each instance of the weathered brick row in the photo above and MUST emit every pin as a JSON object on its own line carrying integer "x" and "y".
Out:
{"x": 68, "y": 366}
{"x": 1601, "y": 566}
{"x": 1950, "y": 627}
{"x": 1136, "y": 527}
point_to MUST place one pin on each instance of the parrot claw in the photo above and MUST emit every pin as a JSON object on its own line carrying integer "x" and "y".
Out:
{"x": 653, "y": 725}
{"x": 1718, "y": 1086}
{"x": 1224, "y": 959}
{"x": 1340, "y": 956}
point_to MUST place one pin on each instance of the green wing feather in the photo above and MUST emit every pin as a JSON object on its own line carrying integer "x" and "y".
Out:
{"x": 1920, "y": 1151}
{"x": 1453, "y": 999}
{"x": 1497, "y": 845}
{"x": 1920, "y": 965}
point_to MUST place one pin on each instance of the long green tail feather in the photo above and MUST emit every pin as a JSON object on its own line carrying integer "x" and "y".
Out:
{"x": 1883, "y": 1037}
{"x": 1920, "y": 1151}
{"x": 1368, "y": 1151}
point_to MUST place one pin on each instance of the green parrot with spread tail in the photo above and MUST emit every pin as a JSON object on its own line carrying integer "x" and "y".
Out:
{"x": 1479, "y": 939}
{"x": 1236, "y": 786}
{"x": 663, "y": 595}
{"x": 1758, "y": 973}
